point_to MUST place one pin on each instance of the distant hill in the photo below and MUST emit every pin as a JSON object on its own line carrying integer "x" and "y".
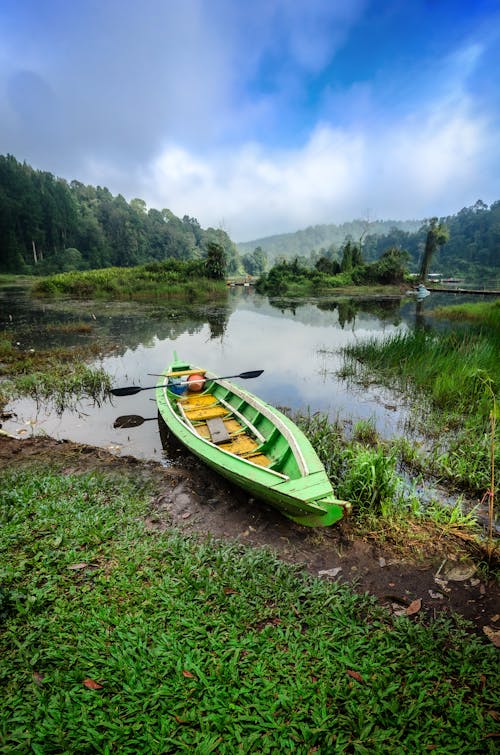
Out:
{"x": 315, "y": 238}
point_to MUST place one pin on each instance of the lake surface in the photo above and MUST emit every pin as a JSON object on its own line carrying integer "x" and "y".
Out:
{"x": 296, "y": 344}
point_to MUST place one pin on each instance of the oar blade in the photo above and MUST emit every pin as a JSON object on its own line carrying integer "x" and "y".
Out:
{"x": 129, "y": 391}
{"x": 128, "y": 420}
{"x": 251, "y": 374}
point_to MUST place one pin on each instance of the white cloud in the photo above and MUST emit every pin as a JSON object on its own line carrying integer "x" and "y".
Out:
{"x": 423, "y": 165}
{"x": 183, "y": 104}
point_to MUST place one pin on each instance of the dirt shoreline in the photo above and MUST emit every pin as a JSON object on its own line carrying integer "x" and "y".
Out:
{"x": 190, "y": 497}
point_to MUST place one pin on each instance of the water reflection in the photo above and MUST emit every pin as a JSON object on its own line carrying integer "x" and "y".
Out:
{"x": 296, "y": 342}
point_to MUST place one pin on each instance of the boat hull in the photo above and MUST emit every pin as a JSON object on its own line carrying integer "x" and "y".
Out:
{"x": 280, "y": 468}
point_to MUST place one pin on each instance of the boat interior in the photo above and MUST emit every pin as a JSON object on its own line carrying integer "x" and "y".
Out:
{"x": 236, "y": 423}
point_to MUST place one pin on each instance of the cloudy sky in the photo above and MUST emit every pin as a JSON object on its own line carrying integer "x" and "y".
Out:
{"x": 259, "y": 116}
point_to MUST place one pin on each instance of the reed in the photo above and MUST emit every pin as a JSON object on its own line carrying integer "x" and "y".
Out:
{"x": 454, "y": 376}
{"x": 63, "y": 386}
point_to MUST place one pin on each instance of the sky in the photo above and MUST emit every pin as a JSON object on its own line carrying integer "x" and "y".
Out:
{"x": 259, "y": 116}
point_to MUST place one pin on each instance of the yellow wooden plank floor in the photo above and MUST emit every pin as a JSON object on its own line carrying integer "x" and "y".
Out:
{"x": 199, "y": 407}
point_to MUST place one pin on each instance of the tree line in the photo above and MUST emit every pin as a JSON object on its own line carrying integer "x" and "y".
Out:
{"x": 48, "y": 225}
{"x": 471, "y": 247}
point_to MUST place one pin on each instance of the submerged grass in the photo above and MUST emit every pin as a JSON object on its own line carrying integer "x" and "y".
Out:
{"x": 58, "y": 377}
{"x": 371, "y": 473}
{"x": 115, "y": 639}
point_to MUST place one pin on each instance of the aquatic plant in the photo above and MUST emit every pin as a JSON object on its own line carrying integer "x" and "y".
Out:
{"x": 63, "y": 386}
{"x": 167, "y": 281}
{"x": 455, "y": 374}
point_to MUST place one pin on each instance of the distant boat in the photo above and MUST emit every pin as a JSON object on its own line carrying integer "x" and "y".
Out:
{"x": 420, "y": 292}
{"x": 453, "y": 280}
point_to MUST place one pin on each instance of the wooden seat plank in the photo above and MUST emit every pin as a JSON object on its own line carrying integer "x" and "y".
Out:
{"x": 218, "y": 431}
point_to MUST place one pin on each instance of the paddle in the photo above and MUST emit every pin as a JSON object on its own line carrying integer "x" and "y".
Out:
{"x": 132, "y": 420}
{"x": 132, "y": 389}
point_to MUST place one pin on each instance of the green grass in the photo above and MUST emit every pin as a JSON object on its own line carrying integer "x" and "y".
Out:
{"x": 204, "y": 647}
{"x": 454, "y": 379}
{"x": 57, "y": 377}
{"x": 162, "y": 281}
{"x": 484, "y": 313}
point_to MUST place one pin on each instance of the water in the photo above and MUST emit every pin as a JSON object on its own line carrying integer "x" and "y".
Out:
{"x": 296, "y": 343}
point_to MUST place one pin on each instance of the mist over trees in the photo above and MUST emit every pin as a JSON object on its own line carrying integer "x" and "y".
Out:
{"x": 473, "y": 245}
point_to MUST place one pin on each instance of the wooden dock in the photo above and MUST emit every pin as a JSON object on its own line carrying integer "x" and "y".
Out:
{"x": 447, "y": 290}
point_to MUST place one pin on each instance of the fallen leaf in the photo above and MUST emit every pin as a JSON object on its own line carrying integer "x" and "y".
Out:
{"x": 186, "y": 515}
{"x": 78, "y": 566}
{"x": 493, "y": 635}
{"x": 188, "y": 675}
{"x": 91, "y": 684}
{"x": 414, "y": 607}
{"x": 330, "y": 572}
{"x": 230, "y": 591}
{"x": 355, "y": 675}
{"x": 461, "y": 572}
{"x": 495, "y": 618}
{"x": 397, "y": 610}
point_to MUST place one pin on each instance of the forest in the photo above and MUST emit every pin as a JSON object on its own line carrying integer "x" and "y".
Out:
{"x": 49, "y": 225}
{"x": 473, "y": 246}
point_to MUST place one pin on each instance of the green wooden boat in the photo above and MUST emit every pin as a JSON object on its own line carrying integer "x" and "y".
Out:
{"x": 249, "y": 442}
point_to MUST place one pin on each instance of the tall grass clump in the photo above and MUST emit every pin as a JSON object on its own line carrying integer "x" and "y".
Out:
{"x": 117, "y": 639}
{"x": 453, "y": 377}
{"x": 364, "y": 476}
{"x": 63, "y": 385}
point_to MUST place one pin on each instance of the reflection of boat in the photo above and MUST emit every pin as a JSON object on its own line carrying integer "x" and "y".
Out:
{"x": 248, "y": 441}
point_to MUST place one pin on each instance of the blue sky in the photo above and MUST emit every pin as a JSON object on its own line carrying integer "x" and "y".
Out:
{"x": 261, "y": 116}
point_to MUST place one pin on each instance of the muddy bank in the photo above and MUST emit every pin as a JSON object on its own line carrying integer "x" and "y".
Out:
{"x": 424, "y": 576}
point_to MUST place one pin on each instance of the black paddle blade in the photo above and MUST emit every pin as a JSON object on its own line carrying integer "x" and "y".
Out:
{"x": 252, "y": 374}
{"x": 126, "y": 391}
{"x": 129, "y": 420}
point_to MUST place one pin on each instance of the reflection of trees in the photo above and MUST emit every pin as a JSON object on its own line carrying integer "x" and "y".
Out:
{"x": 217, "y": 320}
{"x": 287, "y": 305}
{"x": 116, "y": 325}
{"x": 383, "y": 309}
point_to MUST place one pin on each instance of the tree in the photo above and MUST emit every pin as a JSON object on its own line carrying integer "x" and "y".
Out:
{"x": 215, "y": 261}
{"x": 351, "y": 257}
{"x": 437, "y": 235}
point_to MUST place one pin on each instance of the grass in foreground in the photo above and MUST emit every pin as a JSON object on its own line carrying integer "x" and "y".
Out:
{"x": 116, "y": 639}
